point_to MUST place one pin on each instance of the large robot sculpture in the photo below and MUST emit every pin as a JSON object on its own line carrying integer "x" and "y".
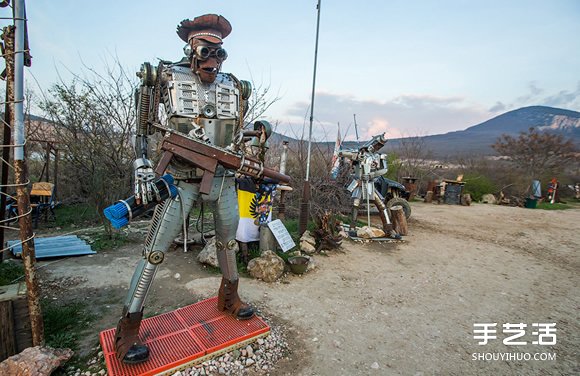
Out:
{"x": 367, "y": 165}
{"x": 193, "y": 100}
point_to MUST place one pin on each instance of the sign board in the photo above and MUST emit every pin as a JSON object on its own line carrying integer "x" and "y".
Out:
{"x": 282, "y": 235}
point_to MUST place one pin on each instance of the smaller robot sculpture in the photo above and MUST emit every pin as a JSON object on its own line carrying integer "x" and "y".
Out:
{"x": 368, "y": 165}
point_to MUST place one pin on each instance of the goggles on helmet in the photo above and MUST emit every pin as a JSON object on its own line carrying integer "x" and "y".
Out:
{"x": 204, "y": 52}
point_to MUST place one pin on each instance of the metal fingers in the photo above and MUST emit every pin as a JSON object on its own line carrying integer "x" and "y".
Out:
{"x": 144, "y": 176}
{"x": 226, "y": 222}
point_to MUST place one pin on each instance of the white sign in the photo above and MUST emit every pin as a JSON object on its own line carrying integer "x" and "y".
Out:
{"x": 282, "y": 235}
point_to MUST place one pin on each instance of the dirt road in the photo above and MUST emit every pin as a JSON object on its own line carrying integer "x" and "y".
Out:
{"x": 395, "y": 309}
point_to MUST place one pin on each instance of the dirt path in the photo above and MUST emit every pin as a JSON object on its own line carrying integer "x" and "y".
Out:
{"x": 394, "y": 309}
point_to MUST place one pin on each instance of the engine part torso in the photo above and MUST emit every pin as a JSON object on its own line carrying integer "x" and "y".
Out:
{"x": 210, "y": 112}
{"x": 208, "y": 109}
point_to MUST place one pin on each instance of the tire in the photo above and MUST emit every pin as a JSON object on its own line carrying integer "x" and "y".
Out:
{"x": 399, "y": 201}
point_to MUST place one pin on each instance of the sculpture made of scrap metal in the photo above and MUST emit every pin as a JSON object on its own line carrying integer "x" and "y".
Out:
{"x": 368, "y": 164}
{"x": 202, "y": 112}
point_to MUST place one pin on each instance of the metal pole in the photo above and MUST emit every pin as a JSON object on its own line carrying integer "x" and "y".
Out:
{"x": 8, "y": 34}
{"x": 304, "y": 205}
{"x": 21, "y": 179}
{"x": 283, "y": 159}
{"x": 355, "y": 130}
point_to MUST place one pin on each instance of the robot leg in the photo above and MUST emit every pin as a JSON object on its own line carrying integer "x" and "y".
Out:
{"x": 165, "y": 226}
{"x": 354, "y": 216}
{"x": 384, "y": 214}
{"x": 226, "y": 219}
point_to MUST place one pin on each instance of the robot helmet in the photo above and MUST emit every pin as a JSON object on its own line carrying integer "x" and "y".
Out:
{"x": 209, "y": 27}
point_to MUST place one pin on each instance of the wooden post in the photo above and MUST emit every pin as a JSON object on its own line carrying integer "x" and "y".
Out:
{"x": 56, "y": 157}
{"x": 7, "y": 340}
{"x": 399, "y": 220}
{"x": 15, "y": 326}
{"x": 48, "y": 147}
{"x": 466, "y": 199}
{"x": 429, "y": 197}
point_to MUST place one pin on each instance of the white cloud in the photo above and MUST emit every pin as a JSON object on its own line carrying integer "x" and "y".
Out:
{"x": 405, "y": 115}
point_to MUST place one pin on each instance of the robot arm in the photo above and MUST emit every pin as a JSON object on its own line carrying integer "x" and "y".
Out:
{"x": 146, "y": 108}
{"x": 383, "y": 169}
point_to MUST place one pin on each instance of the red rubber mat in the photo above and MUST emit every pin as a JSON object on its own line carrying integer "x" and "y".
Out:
{"x": 183, "y": 337}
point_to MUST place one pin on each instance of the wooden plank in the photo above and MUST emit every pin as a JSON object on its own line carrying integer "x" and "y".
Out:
{"x": 7, "y": 340}
{"x": 22, "y": 330}
{"x": 22, "y": 325}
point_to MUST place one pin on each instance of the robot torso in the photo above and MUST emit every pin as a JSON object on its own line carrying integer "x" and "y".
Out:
{"x": 211, "y": 111}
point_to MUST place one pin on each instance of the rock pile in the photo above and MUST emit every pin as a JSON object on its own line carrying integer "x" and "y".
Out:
{"x": 258, "y": 357}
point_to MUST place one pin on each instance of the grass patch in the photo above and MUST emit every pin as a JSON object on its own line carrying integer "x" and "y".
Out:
{"x": 77, "y": 215}
{"x": 555, "y": 206}
{"x": 64, "y": 323}
{"x": 104, "y": 242}
{"x": 9, "y": 271}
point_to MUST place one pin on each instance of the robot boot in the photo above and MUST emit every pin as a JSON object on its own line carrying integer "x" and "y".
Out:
{"x": 229, "y": 301}
{"x": 127, "y": 343}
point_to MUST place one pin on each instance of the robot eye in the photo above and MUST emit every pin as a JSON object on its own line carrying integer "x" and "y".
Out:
{"x": 202, "y": 52}
{"x": 221, "y": 54}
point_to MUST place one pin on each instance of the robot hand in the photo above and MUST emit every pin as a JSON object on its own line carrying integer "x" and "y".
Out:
{"x": 144, "y": 176}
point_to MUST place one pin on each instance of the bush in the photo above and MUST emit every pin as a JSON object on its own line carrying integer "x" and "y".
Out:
{"x": 9, "y": 271}
{"x": 478, "y": 185}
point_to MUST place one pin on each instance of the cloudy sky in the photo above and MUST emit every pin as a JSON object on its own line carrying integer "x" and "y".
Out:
{"x": 403, "y": 67}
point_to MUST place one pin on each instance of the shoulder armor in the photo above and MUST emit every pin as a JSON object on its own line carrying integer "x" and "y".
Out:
{"x": 147, "y": 74}
{"x": 245, "y": 87}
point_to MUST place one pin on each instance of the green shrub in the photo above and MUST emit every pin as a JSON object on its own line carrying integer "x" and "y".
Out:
{"x": 64, "y": 323}
{"x": 9, "y": 271}
{"x": 478, "y": 185}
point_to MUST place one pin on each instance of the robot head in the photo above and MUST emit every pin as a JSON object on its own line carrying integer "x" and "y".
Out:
{"x": 375, "y": 144}
{"x": 204, "y": 36}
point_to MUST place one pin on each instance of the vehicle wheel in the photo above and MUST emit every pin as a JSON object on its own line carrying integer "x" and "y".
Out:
{"x": 399, "y": 201}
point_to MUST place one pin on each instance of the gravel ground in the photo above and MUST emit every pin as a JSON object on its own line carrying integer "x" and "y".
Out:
{"x": 385, "y": 309}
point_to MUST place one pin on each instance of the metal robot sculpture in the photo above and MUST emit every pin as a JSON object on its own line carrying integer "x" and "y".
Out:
{"x": 206, "y": 105}
{"x": 368, "y": 164}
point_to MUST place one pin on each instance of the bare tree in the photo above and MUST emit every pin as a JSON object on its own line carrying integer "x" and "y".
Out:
{"x": 93, "y": 117}
{"x": 415, "y": 158}
{"x": 537, "y": 155}
{"x": 259, "y": 102}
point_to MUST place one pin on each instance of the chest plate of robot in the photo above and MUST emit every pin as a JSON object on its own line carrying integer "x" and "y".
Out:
{"x": 184, "y": 95}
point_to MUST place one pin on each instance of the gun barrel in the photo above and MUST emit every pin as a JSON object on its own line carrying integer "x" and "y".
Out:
{"x": 207, "y": 157}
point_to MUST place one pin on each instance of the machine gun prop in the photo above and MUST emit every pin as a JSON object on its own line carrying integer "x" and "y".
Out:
{"x": 208, "y": 157}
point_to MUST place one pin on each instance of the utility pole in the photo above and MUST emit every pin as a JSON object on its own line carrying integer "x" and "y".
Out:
{"x": 305, "y": 203}
{"x": 15, "y": 77}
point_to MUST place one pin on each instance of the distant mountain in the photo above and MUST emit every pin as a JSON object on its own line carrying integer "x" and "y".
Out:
{"x": 478, "y": 139}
